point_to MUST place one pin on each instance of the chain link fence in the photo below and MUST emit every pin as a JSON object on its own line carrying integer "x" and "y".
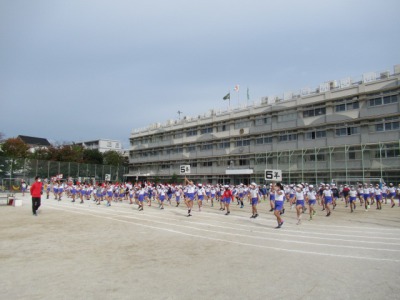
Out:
{"x": 13, "y": 171}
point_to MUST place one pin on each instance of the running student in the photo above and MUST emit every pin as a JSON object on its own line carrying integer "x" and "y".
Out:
{"x": 352, "y": 198}
{"x": 279, "y": 201}
{"x": 311, "y": 198}
{"x": 190, "y": 195}
{"x": 227, "y": 196}
{"x": 255, "y": 198}
{"x": 378, "y": 197}
{"x": 271, "y": 198}
{"x": 299, "y": 196}
{"x": 200, "y": 195}
{"x": 327, "y": 197}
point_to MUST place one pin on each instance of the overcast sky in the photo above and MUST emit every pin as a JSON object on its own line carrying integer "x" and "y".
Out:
{"x": 78, "y": 70}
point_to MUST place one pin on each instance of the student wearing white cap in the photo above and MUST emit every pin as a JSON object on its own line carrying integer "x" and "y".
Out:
{"x": 279, "y": 201}
{"x": 299, "y": 196}
{"x": 255, "y": 198}
{"x": 200, "y": 195}
{"x": 190, "y": 195}
{"x": 311, "y": 198}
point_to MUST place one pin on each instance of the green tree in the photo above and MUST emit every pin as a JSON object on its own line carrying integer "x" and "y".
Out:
{"x": 67, "y": 153}
{"x": 14, "y": 151}
{"x": 174, "y": 178}
{"x": 40, "y": 153}
{"x": 92, "y": 156}
{"x": 15, "y": 148}
{"x": 113, "y": 158}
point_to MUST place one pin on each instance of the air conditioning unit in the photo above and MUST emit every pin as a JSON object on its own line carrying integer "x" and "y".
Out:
{"x": 385, "y": 75}
{"x": 345, "y": 82}
{"x": 287, "y": 96}
{"x": 333, "y": 84}
{"x": 324, "y": 87}
{"x": 369, "y": 77}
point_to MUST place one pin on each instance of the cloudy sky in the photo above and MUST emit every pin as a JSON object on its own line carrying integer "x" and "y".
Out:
{"x": 76, "y": 70}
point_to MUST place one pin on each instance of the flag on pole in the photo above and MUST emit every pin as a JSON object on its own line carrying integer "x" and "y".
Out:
{"x": 248, "y": 94}
{"x": 227, "y": 97}
{"x": 236, "y": 88}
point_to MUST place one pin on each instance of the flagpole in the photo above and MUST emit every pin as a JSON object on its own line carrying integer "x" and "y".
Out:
{"x": 229, "y": 104}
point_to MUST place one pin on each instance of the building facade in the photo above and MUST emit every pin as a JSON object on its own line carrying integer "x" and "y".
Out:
{"x": 103, "y": 145}
{"x": 346, "y": 131}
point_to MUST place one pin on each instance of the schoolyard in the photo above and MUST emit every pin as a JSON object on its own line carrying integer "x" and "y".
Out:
{"x": 85, "y": 251}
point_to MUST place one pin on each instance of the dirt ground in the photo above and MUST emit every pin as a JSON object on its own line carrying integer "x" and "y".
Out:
{"x": 84, "y": 251}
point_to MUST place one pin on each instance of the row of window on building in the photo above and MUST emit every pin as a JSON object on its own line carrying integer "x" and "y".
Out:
{"x": 385, "y": 124}
{"x": 353, "y": 153}
{"x": 310, "y": 111}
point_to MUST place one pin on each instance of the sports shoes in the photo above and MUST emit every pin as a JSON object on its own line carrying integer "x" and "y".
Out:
{"x": 279, "y": 225}
{"x": 271, "y": 209}
{"x": 298, "y": 222}
{"x": 227, "y": 213}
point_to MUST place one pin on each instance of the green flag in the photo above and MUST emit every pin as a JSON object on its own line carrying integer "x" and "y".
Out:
{"x": 227, "y": 96}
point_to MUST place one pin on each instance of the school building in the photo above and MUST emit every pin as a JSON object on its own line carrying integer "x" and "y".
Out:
{"x": 345, "y": 130}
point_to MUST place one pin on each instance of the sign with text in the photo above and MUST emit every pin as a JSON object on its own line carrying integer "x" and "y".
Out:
{"x": 273, "y": 175}
{"x": 184, "y": 169}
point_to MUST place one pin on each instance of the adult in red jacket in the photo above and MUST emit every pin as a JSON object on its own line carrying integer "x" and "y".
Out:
{"x": 36, "y": 193}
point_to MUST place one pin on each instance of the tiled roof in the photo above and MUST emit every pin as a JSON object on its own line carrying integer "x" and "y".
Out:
{"x": 34, "y": 141}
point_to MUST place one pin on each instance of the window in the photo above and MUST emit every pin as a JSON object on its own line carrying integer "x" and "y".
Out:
{"x": 318, "y": 111}
{"x": 191, "y": 148}
{"x": 206, "y": 130}
{"x": 116, "y": 145}
{"x": 383, "y": 100}
{"x": 287, "y": 117}
{"x": 286, "y": 137}
{"x": 205, "y": 147}
{"x": 177, "y": 150}
{"x": 315, "y": 134}
{"x": 344, "y": 131}
{"x": 244, "y": 162}
{"x": 243, "y": 124}
{"x": 164, "y": 166}
{"x": 109, "y": 144}
{"x": 242, "y": 142}
{"x": 263, "y": 120}
{"x": 318, "y": 157}
{"x": 388, "y": 124}
{"x": 352, "y": 155}
{"x": 221, "y": 127}
{"x": 224, "y": 144}
{"x": 207, "y": 164}
{"x": 264, "y": 140}
{"x": 194, "y": 164}
{"x": 178, "y": 135}
{"x": 388, "y": 151}
{"x": 347, "y": 106}
{"x": 191, "y": 132}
